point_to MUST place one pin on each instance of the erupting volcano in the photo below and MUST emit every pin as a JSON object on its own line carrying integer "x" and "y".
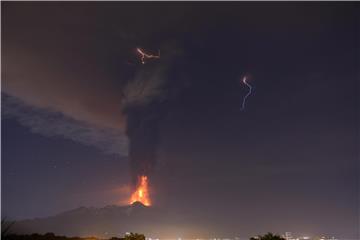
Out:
{"x": 141, "y": 193}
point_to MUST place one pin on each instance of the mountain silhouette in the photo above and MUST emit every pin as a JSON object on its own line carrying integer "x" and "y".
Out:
{"x": 108, "y": 221}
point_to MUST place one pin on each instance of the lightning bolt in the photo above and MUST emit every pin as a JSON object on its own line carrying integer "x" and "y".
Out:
{"x": 244, "y": 80}
{"x": 145, "y": 55}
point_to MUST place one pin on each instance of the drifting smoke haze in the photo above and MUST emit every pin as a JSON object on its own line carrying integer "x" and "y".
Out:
{"x": 118, "y": 115}
{"x": 78, "y": 99}
{"x": 53, "y": 124}
{"x": 128, "y": 127}
{"x": 86, "y": 99}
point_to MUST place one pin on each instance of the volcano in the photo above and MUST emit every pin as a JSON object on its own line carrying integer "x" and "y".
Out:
{"x": 138, "y": 204}
{"x": 102, "y": 222}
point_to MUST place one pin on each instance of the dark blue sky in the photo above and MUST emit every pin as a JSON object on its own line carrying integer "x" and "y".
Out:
{"x": 289, "y": 162}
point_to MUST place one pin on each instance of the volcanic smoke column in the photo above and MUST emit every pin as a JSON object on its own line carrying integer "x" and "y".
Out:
{"x": 142, "y": 131}
{"x": 143, "y": 106}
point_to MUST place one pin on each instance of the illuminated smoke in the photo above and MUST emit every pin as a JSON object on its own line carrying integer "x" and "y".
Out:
{"x": 244, "y": 80}
{"x": 143, "y": 135}
{"x": 144, "y": 104}
{"x": 145, "y": 100}
{"x": 145, "y": 55}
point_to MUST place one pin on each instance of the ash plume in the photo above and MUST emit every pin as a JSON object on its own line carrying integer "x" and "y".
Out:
{"x": 144, "y": 104}
{"x": 75, "y": 95}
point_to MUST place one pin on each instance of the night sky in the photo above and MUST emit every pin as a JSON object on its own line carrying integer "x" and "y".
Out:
{"x": 75, "y": 94}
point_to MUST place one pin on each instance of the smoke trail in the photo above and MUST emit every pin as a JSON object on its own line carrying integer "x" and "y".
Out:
{"x": 143, "y": 105}
{"x": 142, "y": 131}
{"x": 248, "y": 94}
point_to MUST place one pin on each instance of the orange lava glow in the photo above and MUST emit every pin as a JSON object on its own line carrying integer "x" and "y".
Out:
{"x": 141, "y": 193}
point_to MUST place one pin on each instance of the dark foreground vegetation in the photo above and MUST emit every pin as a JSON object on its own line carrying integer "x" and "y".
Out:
{"x": 52, "y": 236}
{"x": 6, "y": 234}
{"x": 268, "y": 236}
{"x": 131, "y": 236}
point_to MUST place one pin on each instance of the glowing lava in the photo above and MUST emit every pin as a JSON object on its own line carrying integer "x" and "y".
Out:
{"x": 141, "y": 193}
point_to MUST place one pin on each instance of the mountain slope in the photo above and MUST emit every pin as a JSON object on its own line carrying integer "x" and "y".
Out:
{"x": 100, "y": 222}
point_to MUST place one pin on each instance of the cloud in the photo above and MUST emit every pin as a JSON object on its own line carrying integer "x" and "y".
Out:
{"x": 59, "y": 80}
{"x": 60, "y": 94}
{"x": 52, "y": 124}
{"x": 55, "y": 100}
{"x": 92, "y": 119}
{"x": 145, "y": 87}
